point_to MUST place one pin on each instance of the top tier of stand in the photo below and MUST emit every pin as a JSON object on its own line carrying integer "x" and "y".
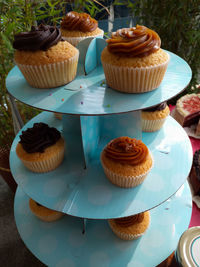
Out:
{"x": 88, "y": 93}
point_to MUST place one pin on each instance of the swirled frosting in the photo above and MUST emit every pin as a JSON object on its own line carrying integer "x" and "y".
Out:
{"x": 156, "y": 108}
{"x": 39, "y": 38}
{"x": 138, "y": 41}
{"x": 75, "y": 21}
{"x": 127, "y": 150}
{"x": 39, "y": 137}
{"x": 129, "y": 221}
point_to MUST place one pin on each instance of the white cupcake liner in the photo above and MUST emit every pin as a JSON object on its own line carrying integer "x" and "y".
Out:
{"x": 75, "y": 40}
{"x": 126, "y": 236}
{"x": 125, "y": 181}
{"x": 50, "y": 75}
{"x": 134, "y": 80}
{"x": 152, "y": 125}
{"x": 45, "y": 165}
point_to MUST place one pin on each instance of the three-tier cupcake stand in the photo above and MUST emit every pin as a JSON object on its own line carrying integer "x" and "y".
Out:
{"x": 92, "y": 115}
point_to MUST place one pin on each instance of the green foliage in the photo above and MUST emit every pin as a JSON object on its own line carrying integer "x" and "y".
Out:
{"x": 177, "y": 23}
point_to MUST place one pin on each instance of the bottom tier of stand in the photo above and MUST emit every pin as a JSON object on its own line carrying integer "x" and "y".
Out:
{"x": 62, "y": 243}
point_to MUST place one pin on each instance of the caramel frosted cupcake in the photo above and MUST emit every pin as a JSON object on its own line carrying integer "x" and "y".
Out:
{"x": 41, "y": 148}
{"x": 154, "y": 118}
{"x": 126, "y": 161}
{"x": 133, "y": 61}
{"x": 45, "y": 60}
{"x": 132, "y": 227}
{"x": 75, "y": 27}
{"x": 44, "y": 213}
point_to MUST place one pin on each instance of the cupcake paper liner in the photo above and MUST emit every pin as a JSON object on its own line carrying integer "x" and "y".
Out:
{"x": 45, "y": 165}
{"x": 75, "y": 40}
{"x": 50, "y": 75}
{"x": 134, "y": 80}
{"x": 124, "y": 236}
{"x": 125, "y": 181}
{"x": 152, "y": 125}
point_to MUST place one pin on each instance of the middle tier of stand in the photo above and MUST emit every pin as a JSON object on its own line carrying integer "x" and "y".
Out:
{"x": 88, "y": 193}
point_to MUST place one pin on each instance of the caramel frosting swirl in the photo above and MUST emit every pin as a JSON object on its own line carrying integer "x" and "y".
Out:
{"x": 39, "y": 38}
{"x": 127, "y": 150}
{"x": 75, "y": 21}
{"x": 39, "y": 137}
{"x": 138, "y": 41}
{"x": 129, "y": 221}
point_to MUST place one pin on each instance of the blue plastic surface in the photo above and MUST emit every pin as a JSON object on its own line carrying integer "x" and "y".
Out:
{"x": 88, "y": 95}
{"x": 62, "y": 243}
{"x": 87, "y": 192}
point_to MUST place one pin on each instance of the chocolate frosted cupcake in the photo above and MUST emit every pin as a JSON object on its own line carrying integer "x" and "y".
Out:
{"x": 126, "y": 161}
{"x": 44, "y": 213}
{"x": 41, "y": 148}
{"x": 133, "y": 61}
{"x": 154, "y": 118}
{"x": 75, "y": 27}
{"x": 132, "y": 227}
{"x": 45, "y": 60}
{"x": 194, "y": 176}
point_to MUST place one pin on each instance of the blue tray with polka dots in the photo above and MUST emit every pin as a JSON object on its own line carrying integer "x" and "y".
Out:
{"x": 61, "y": 243}
{"x": 79, "y": 186}
{"x": 88, "y": 93}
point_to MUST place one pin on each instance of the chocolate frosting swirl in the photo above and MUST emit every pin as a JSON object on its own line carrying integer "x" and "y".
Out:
{"x": 75, "y": 21}
{"x": 38, "y": 138}
{"x": 137, "y": 41}
{"x": 159, "y": 107}
{"x": 127, "y": 150}
{"x": 131, "y": 220}
{"x": 39, "y": 38}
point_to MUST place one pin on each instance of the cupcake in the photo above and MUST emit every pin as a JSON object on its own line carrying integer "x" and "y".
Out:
{"x": 126, "y": 161}
{"x": 133, "y": 61}
{"x": 76, "y": 27}
{"x": 41, "y": 148}
{"x": 154, "y": 118}
{"x": 44, "y": 213}
{"x": 132, "y": 227}
{"x": 45, "y": 60}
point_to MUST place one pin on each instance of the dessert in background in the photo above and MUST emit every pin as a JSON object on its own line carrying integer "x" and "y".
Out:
{"x": 132, "y": 227}
{"x": 154, "y": 118}
{"x": 198, "y": 128}
{"x": 187, "y": 110}
{"x": 43, "y": 213}
{"x": 45, "y": 60}
{"x": 194, "y": 176}
{"x": 133, "y": 61}
{"x": 126, "y": 161}
{"x": 75, "y": 27}
{"x": 41, "y": 148}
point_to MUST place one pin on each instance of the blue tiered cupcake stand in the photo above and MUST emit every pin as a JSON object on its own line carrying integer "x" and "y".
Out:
{"x": 93, "y": 114}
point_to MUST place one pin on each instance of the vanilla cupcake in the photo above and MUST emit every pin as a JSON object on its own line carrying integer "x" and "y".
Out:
{"x": 41, "y": 148}
{"x": 154, "y": 118}
{"x": 45, "y": 60}
{"x": 76, "y": 27}
{"x": 133, "y": 61}
{"x": 132, "y": 227}
{"x": 44, "y": 213}
{"x": 126, "y": 161}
